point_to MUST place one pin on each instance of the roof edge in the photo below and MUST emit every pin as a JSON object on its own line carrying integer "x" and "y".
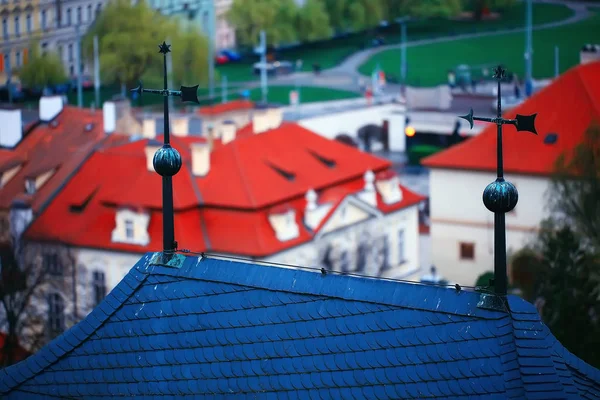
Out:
{"x": 297, "y": 280}
{"x": 14, "y": 376}
{"x": 573, "y": 361}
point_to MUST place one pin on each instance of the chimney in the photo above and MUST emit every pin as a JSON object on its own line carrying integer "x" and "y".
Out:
{"x": 50, "y": 107}
{"x": 312, "y": 214}
{"x": 369, "y": 195}
{"x": 200, "y": 158}
{"x": 275, "y": 117}
{"x": 260, "y": 119}
{"x": 11, "y": 128}
{"x": 149, "y": 127}
{"x": 210, "y": 136}
{"x": 109, "y": 111}
{"x": 180, "y": 126}
{"x": 228, "y": 131}
{"x": 20, "y": 216}
{"x": 151, "y": 147}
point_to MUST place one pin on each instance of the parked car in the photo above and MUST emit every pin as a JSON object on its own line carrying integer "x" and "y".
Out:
{"x": 231, "y": 55}
{"x": 16, "y": 91}
{"x": 221, "y": 59}
{"x": 87, "y": 83}
{"x": 274, "y": 68}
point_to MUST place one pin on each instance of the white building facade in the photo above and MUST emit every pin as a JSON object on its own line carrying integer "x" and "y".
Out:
{"x": 462, "y": 229}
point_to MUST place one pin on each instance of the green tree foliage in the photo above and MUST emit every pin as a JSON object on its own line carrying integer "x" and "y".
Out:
{"x": 575, "y": 189}
{"x": 434, "y": 8}
{"x": 484, "y": 279}
{"x": 128, "y": 45}
{"x": 313, "y": 21}
{"x": 338, "y": 13}
{"x": 568, "y": 290}
{"x": 561, "y": 272}
{"x": 42, "y": 70}
{"x": 276, "y": 17}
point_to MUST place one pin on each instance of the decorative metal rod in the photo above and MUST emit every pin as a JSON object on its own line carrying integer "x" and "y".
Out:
{"x": 501, "y": 196}
{"x": 167, "y": 160}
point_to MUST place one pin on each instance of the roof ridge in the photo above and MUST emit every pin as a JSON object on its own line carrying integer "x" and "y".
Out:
{"x": 387, "y": 292}
{"x": 571, "y": 360}
{"x": 242, "y": 173}
{"x": 587, "y": 92}
{"x": 12, "y": 377}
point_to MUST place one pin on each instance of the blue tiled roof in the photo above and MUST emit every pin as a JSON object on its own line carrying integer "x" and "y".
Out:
{"x": 215, "y": 328}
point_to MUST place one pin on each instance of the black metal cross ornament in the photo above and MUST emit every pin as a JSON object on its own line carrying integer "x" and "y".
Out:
{"x": 501, "y": 196}
{"x": 167, "y": 160}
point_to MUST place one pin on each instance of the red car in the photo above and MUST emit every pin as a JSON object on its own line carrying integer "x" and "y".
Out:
{"x": 221, "y": 59}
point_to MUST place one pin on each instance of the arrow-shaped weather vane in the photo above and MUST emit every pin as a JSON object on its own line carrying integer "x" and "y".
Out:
{"x": 167, "y": 160}
{"x": 501, "y": 196}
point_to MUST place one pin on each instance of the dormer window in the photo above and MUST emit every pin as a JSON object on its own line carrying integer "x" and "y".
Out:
{"x": 30, "y": 186}
{"x": 283, "y": 222}
{"x": 388, "y": 186}
{"x": 131, "y": 227}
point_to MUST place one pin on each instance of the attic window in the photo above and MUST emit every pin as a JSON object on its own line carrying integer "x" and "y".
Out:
{"x": 290, "y": 176}
{"x": 551, "y": 138}
{"x": 89, "y": 127}
{"x": 54, "y": 124}
{"x": 327, "y": 161}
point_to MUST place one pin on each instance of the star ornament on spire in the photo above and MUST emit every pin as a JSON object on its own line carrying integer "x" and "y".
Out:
{"x": 499, "y": 72}
{"x": 164, "y": 48}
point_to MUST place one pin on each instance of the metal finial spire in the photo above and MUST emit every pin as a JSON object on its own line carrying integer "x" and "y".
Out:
{"x": 167, "y": 160}
{"x": 501, "y": 196}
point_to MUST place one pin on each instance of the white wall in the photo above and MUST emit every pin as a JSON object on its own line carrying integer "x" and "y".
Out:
{"x": 310, "y": 254}
{"x": 115, "y": 266}
{"x": 349, "y": 122}
{"x": 458, "y": 215}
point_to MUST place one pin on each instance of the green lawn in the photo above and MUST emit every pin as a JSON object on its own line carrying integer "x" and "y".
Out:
{"x": 281, "y": 94}
{"x": 333, "y": 52}
{"x": 428, "y": 65}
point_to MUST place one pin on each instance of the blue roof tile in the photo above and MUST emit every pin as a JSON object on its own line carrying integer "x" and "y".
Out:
{"x": 218, "y": 328}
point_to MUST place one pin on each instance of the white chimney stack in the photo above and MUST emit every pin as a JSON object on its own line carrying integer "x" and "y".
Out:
{"x": 50, "y": 107}
{"x": 11, "y": 127}
{"x": 369, "y": 195}
{"x": 314, "y": 212}
{"x": 149, "y": 127}
{"x": 264, "y": 119}
{"x": 200, "y": 159}
{"x": 228, "y": 132}
{"x": 109, "y": 112}
{"x": 151, "y": 148}
{"x": 181, "y": 126}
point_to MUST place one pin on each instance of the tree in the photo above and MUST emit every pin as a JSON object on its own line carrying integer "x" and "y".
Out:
{"x": 276, "y": 17}
{"x": 313, "y": 21}
{"x": 337, "y": 11}
{"x": 29, "y": 273}
{"x": 567, "y": 290}
{"x": 128, "y": 36}
{"x": 561, "y": 271}
{"x": 434, "y": 8}
{"x": 42, "y": 69}
{"x": 575, "y": 188}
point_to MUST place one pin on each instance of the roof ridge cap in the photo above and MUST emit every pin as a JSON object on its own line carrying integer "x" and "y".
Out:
{"x": 393, "y": 293}
{"x": 571, "y": 360}
{"x": 74, "y": 336}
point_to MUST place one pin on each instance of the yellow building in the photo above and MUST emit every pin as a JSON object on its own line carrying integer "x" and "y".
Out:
{"x": 52, "y": 22}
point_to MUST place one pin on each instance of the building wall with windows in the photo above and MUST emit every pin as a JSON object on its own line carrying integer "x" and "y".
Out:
{"x": 51, "y": 23}
{"x": 384, "y": 246}
{"x": 462, "y": 229}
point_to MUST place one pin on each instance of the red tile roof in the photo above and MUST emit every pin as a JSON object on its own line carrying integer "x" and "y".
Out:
{"x": 232, "y": 106}
{"x": 226, "y": 211}
{"x": 567, "y": 107}
{"x": 45, "y": 148}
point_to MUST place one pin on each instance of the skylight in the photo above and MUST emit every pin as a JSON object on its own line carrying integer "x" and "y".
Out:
{"x": 326, "y": 161}
{"x": 551, "y": 138}
{"x": 290, "y": 176}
